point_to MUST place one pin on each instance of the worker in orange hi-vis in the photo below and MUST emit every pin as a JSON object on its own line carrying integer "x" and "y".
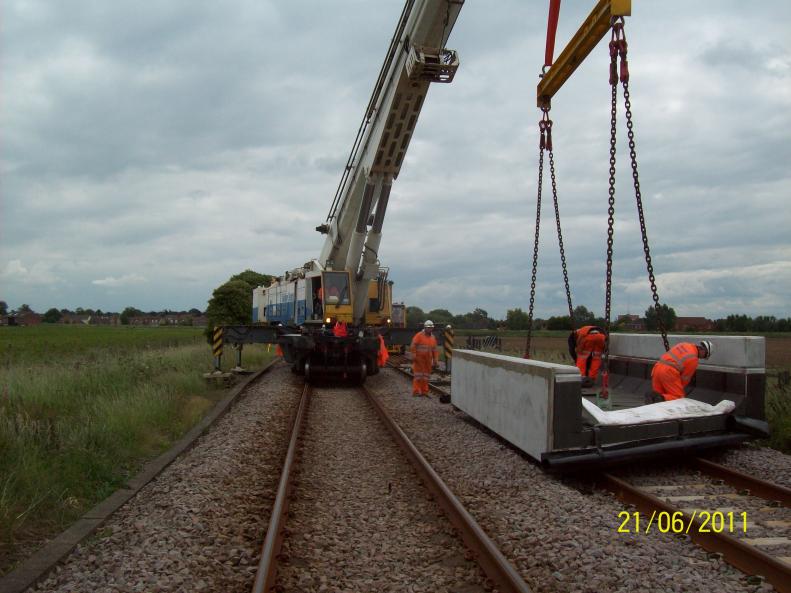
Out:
{"x": 586, "y": 345}
{"x": 382, "y": 355}
{"x": 675, "y": 369}
{"x": 425, "y": 357}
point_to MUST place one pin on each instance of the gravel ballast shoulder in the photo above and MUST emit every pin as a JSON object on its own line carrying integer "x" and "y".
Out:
{"x": 560, "y": 538}
{"x": 760, "y": 462}
{"x": 199, "y": 525}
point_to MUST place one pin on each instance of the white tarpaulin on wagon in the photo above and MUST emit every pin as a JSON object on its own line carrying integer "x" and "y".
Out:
{"x": 671, "y": 410}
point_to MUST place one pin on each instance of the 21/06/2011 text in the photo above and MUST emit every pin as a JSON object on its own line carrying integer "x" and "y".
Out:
{"x": 678, "y": 522}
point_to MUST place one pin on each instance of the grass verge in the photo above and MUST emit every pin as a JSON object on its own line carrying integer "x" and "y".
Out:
{"x": 778, "y": 409}
{"x": 80, "y": 412}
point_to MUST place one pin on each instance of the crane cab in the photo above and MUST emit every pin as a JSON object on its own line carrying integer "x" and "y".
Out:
{"x": 297, "y": 298}
{"x": 336, "y": 297}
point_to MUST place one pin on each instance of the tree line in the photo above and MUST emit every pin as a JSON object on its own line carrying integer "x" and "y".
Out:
{"x": 54, "y": 315}
{"x": 762, "y": 323}
{"x": 232, "y": 301}
{"x": 518, "y": 319}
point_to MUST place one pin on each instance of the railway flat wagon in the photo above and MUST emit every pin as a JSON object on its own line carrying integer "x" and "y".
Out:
{"x": 542, "y": 409}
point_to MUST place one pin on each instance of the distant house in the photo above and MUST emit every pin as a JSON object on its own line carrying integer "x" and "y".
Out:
{"x": 631, "y": 322}
{"x": 700, "y": 324}
{"x": 104, "y": 320}
{"x": 74, "y": 319}
{"x": 200, "y": 320}
{"x": 28, "y": 318}
{"x": 144, "y": 320}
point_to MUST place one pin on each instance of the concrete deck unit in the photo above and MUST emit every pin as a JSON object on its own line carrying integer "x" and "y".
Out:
{"x": 514, "y": 397}
{"x": 537, "y": 406}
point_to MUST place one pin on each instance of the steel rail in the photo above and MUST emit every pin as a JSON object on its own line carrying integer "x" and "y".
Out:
{"x": 267, "y": 566}
{"x": 433, "y": 387}
{"x": 746, "y": 558}
{"x": 497, "y": 568}
{"x": 737, "y": 479}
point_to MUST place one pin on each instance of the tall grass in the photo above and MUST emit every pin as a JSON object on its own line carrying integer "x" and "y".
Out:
{"x": 80, "y": 413}
{"x": 778, "y": 409}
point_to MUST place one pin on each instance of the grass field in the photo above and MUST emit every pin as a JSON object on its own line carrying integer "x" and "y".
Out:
{"x": 82, "y": 408}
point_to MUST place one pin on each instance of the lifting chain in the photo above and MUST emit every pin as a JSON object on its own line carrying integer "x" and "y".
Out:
{"x": 616, "y": 28}
{"x": 639, "y": 198}
{"x": 545, "y": 129}
{"x": 619, "y": 48}
{"x": 545, "y": 144}
{"x": 560, "y": 233}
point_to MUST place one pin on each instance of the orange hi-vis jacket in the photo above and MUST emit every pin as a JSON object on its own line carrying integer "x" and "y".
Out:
{"x": 424, "y": 348}
{"x": 674, "y": 370}
{"x": 589, "y": 345}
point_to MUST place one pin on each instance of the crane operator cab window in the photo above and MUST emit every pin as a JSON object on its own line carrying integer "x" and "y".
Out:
{"x": 336, "y": 288}
{"x": 317, "y": 308}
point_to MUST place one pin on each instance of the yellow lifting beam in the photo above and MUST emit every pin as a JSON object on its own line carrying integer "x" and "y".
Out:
{"x": 590, "y": 33}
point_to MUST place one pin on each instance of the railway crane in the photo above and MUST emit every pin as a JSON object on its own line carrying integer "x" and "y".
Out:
{"x": 328, "y": 315}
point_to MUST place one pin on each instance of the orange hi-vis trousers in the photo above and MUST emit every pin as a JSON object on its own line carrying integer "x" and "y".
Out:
{"x": 666, "y": 381}
{"x": 424, "y": 348}
{"x": 590, "y": 346}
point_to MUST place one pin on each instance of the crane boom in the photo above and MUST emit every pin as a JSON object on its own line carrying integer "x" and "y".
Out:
{"x": 416, "y": 57}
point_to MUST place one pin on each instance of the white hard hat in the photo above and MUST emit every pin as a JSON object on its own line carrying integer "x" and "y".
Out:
{"x": 706, "y": 345}
{"x": 428, "y": 323}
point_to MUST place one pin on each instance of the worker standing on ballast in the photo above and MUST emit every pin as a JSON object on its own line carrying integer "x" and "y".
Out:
{"x": 675, "y": 369}
{"x": 425, "y": 357}
{"x": 586, "y": 346}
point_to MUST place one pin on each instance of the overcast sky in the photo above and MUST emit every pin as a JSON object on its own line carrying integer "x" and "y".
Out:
{"x": 150, "y": 150}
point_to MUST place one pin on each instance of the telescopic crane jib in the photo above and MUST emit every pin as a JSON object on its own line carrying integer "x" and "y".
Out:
{"x": 328, "y": 315}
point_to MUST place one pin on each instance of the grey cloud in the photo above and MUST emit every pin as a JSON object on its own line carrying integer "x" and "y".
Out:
{"x": 189, "y": 141}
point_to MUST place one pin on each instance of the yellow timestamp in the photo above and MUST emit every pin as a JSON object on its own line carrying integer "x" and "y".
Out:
{"x": 678, "y": 522}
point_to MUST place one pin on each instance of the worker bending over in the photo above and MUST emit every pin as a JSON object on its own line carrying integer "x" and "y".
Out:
{"x": 675, "y": 369}
{"x": 586, "y": 345}
{"x": 425, "y": 358}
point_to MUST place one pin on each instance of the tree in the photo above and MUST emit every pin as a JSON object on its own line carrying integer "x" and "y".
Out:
{"x": 24, "y": 309}
{"x": 253, "y": 279}
{"x": 582, "y": 316}
{"x": 415, "y": 316}
{"x": 230, "y": 304}
{"x": 127, "y": 313}
{"x": 516, "y": 319}
{"x": 738, "y": 323}
{"x": 560, "y": 322}
{"x": 764, "y": 323}
{"x": 195, "y": 312}
{"x": 441, "y": 316}
{"x": 667, "y": 315}
{"x": 51, "y": 316}
{"x": 3, "y": 308}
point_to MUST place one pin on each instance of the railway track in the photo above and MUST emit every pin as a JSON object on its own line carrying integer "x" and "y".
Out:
{"x": 741, "y": 517}
{"x": 214, "y": 503}
{"x": 402, "y": 364}
{"x": 350, "y": 510}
